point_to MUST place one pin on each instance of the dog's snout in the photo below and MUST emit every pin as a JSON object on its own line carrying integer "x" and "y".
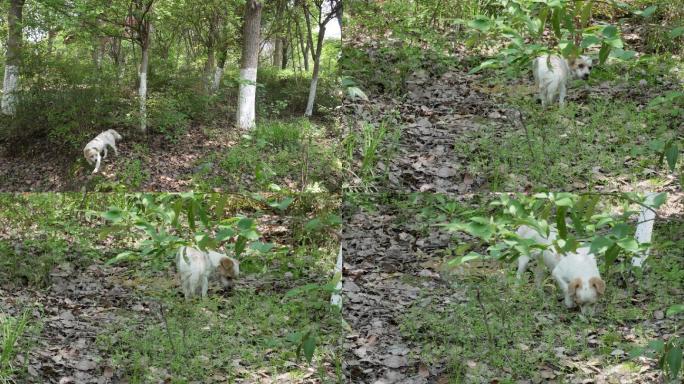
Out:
{"x": 585, "y": 76}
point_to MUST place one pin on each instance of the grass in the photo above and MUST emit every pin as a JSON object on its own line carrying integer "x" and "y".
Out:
{"x": 296, "y": 155}
{"x": 492, "y": 328}
{"x": 255, "y": 331}
{"x": 11, "y": 332}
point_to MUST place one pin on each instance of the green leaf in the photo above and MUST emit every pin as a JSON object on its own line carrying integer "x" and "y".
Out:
{"x": 672, "y": 154}
{"x": 224, "y": 233}
{"x": 600, "y": 244}
{"x": 309, "y": 346}
{"x": 556, "y": 22}
{"x": 114, "y": 214}
{"x": 657, "y": 200}
{"x": 283, "y": 204}
{"x": 590, "y": 40}
{"x": 629, "y": 244}
{"x": 674, "y": 361}
{"x": 483, "y": 65}
{"x": 675, "y": 33}
{"x": 123, "y": 256}
{"x": 261, "y": 247}
{"x": 191, "y": 215}
{"x": 657, "y": 345}
{"x": 240, "y": 245}
{"x": 646, "y": 12}
{"x": 464, "y": 259}
{"x": 560, "y": 222}
{"x": 612, "y": 254}
{"x": 610, "y": 32}
{"x": 675, "y": 309}
{"x": 481, "y": 23}
{"x": 604, "y": 52}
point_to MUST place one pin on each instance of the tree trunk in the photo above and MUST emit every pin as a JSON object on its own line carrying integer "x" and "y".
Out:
{"x": 142, "y": 90}
{"x": 51, "y": 40}
{"x": 248, "y": 66}
{"x": 209, "y": 70}
{"x": 316, "y": 69}
{"x": 302, "y": 48}
{"x": 278, "y": 53}
{"x": 218, "y": 72}
{"x": 12, "y": 57}
{"x": 286, "y": 47}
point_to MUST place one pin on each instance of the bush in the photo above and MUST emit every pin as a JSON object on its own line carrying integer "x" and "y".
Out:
{"x": 63, "y": 118}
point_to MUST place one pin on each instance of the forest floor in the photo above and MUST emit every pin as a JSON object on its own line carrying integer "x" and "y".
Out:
{"x": 417, "y": 319}
{"x": 90, "y": 322}
{"x": 435, "y": 127}
{"x": 294, "y": 154}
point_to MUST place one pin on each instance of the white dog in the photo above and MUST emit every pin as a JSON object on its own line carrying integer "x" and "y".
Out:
{"x": 195, "y": 267}
{"x": 575, "y": 273}
{"x": 551, "y": 74}
{"x": 99, "y": 144}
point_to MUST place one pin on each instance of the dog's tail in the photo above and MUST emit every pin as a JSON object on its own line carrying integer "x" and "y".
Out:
{"x": 116, "y": 134}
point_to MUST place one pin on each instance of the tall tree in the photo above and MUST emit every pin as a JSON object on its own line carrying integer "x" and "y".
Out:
{"x": 140, "y": 26}
{"x": 12, "y": 57}
{"x": 248, "y": 67}
{"x": 323, "y": 17}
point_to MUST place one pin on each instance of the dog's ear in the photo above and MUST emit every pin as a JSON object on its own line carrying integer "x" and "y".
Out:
{"x": 574, "y": 285}
{"x": 598, "y": 284}
{"x": 229, "y": 266}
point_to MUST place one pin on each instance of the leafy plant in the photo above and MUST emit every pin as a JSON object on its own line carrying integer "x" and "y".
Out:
{"x": 168, "y": 221}
{"x": 575, "y": 217}
{"x": 11, "y": 330}
{"x": 522, "y": 23}
{"x": 668, "y": 353}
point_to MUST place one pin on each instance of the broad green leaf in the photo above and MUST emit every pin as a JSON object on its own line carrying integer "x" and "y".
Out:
{"x": 123, "y": 256}
{"x": 261, "y": 247}
{"x": 114, "y": 214}
{"x": 481, "y": 23}
{"x": 224, "y": 233}
{"x": 657, "y": 345}
{"x": 657, "y": 200}
{"x": 560, "y": 222}
{"x": 610, "y": 32}
{"x": 556, "y": 22}
{"x": 675, "y": 33}
{"x": 240, "y": 245}
{"x": 674, "y": 310}
{"x": 600, "y": 244}
{"x": 483, "y": 65}
{"x": 590, "y": 40}
{"x": 647, "y": 12}
{"x": 629, "y": 244}
{"x": 604, "y": 52}
{"x": 612, "y": 254}
{"x": 674, "y": 361}
{"x": 464, "y": 259}
{"x": 309, "y": 346}
{"x": 672, "y": 154}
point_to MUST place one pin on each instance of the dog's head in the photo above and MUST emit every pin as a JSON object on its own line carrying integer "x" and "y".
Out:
{"x": 585, "y": 293}
{"x": 91, "y": 154}
{"x": 581, "y": 67}
{"x": 228, "y": 270}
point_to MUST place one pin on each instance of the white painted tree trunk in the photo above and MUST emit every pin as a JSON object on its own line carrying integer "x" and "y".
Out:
{"x": 142, "y": 94}
{"x": 247, "y": 98}
{"x": 644, "y": 230}
{"x": 10, "y": 85}
{"x": 248, "y": 67}
{"x": 336, "y": 296}
{"x": 216, "y": 82}
{"x": 9, "y": 89}
{"x": 312, "y": 96}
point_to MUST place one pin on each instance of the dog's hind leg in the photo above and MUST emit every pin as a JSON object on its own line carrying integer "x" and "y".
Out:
{"x": 105, "y": 152}
{"x": 561, "y": 94}
{"x": 522, "y": 266}
{"x": 116, "y": 152}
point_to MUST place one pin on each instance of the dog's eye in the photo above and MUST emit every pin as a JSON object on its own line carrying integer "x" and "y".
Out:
{"x": 581, "y": 65}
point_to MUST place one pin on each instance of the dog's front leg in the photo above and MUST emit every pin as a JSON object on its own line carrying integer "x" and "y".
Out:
{"x": 97, "y": 164}
{"x": 569, "y": 302}
{"x": 105, "y": 152}
{"x": 116, "y": 152}
{"x": 205, "y": 285}
{"x": 522, "y": 266}
{"x": 561, "y": 95}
